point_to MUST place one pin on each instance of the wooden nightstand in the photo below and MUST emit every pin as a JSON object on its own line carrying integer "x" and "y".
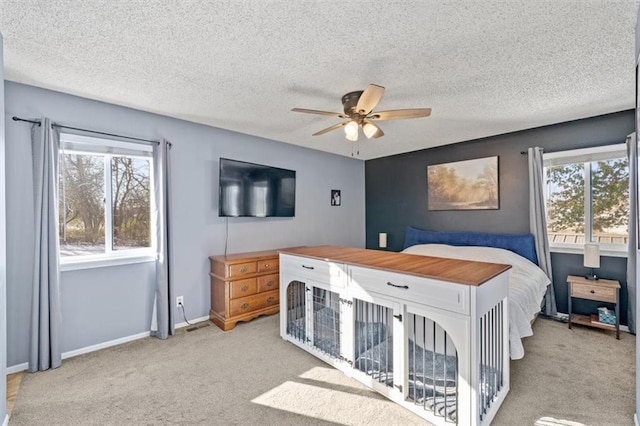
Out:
{"x": 600, "y": 290}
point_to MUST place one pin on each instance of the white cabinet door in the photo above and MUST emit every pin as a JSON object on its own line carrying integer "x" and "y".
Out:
{"x": 436, "y": 364}
{"x": 374, "y": 340}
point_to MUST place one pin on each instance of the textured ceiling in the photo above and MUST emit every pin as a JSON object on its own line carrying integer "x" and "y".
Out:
{"x": 484, "y": 67}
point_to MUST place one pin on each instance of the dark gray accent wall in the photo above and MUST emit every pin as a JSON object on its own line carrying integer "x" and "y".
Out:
{"x": 396, "y": 189}
{"x": 614, "y": 268}
{"x": 111, "y": 303}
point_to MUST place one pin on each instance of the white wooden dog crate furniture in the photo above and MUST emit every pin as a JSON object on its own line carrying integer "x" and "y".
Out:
{"x": 428, "y": 333}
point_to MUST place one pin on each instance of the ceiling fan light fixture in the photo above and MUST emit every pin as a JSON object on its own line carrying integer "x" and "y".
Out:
{"x": 358, "y": 109}
{"x": 352, "y": 137}
{"x": 369, "y": 130}
{"x": 351, "y": 128}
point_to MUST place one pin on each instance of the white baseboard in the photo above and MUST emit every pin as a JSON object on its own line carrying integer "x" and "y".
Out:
{"x": 18, "y": 368}
{"x": 193, "y": 321}
{"x": 25, "y": 366}
{"x": 6, "y": 420}
{"x": 635, "y": 419}
{"x": 104, "y": 345}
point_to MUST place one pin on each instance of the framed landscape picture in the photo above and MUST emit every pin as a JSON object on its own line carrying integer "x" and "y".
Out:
{"x": 464, "y": 185}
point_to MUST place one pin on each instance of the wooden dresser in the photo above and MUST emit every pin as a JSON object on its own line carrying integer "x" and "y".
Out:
{"x": 243, "y": 286}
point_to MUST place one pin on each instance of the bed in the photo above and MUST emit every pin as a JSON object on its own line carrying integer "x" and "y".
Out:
{"x": 527, "y": 282}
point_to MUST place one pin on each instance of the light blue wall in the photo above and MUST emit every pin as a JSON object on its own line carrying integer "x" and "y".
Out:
{"x": 3, "y": 259}
{"x": 111, "y": 303}
{"x": 125, "y": 303}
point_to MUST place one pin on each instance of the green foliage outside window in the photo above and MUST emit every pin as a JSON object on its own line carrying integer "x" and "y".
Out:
{"x": 609, "y": 197}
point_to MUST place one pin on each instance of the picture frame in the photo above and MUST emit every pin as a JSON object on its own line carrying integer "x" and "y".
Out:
{"x": 464, "y": 185}
{"x": 335, "y": 197}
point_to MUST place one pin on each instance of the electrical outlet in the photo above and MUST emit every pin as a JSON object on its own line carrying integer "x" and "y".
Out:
{"x": 179, "y": 301}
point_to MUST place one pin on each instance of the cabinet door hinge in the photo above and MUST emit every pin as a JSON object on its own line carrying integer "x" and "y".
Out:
{"x": 344, "y": 359}
{"x": 399, "y": 316}
{"x": 345, "y": 301}
{"x": 399, "y": 387}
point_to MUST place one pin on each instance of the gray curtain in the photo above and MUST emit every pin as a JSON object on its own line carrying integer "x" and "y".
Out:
{"x": 162, "y": 322}
{"x": 538, "y": 224}
{"x": 632, "y": 151}
{"x": 46, "y": 314}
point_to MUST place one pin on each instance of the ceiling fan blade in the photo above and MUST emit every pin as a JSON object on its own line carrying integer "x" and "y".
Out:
{"x": 328, "y": 129}
{"x": 314, "y": 111}
{"x": 371, "y": 130}
{"x": 369, "y": 98}
{"x": 399, "y": 114}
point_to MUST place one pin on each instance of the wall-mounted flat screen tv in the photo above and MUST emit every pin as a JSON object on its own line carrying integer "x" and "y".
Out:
{"x": 255, "y": 190}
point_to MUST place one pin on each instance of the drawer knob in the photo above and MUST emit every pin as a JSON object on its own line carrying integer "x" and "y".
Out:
{"x": 270, "y": 299}
{"x": 266, "y": 265}
{"x": 593, "y": 291}
{"x": 245, "y": 305}
{"x": 270, "y": 283}
{"x": 406, "y": 287}
{"x": 307, "y": 267}
{"x": 243, "y": 269}
{"x": 244, "y": 288}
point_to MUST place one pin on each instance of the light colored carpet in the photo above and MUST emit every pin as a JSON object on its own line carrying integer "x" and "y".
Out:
{"x": 251, "y": 376}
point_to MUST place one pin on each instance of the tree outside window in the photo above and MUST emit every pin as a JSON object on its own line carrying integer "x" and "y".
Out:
{"x": 104, "y": 203}
{"x": 588, "y": 201}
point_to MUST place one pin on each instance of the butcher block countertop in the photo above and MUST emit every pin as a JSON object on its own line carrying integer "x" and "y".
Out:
{"x": 438, "y": 268}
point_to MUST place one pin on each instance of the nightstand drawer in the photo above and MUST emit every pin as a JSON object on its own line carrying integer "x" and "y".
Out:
{"x": 593, "y": 292}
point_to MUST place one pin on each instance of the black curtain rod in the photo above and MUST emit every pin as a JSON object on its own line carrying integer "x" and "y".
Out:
{"x": 85, "y": 130}
{"x": 527, "y": 152}
{"x": 25, "y": 120}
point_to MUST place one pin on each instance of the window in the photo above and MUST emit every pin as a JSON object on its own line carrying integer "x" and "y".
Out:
{"x": 104, "y": 198}
{"x": 587, "y": 199}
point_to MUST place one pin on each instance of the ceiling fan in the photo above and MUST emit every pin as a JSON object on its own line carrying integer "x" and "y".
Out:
{"x": 358, "y": 111}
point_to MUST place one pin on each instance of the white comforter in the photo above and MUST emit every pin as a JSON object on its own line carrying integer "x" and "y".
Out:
{"x": 527, "y": 284}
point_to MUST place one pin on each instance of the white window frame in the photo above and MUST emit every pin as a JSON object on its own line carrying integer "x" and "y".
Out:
{"x": 109, "y": 148}
{"x": 586, "y": 156}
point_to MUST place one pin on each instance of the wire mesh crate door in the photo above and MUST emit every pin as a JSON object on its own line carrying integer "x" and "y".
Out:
{"x": 326, "y": 321}
{"x": 297, "y": 311}
{"x": 432, "y": 368}
{"x": 373, "y": 340}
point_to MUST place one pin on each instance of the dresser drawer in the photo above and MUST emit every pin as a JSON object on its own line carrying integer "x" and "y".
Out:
{"x": 243, "y": 288}
{"x": 314, "y": 269}
{"x": 253, "y": 303}
{"x": 240, "y": 269}
{"x": 271, "y": 265}
{"x": 439, "y": 294}
{"x": 593, "y": 292}
{"x": 268, "y": 283}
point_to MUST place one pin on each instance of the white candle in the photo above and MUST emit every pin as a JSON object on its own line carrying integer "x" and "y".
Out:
{"x": 382, "y": 240}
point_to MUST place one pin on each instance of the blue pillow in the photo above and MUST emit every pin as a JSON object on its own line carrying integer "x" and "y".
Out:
{"x": 522, "y": 244}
